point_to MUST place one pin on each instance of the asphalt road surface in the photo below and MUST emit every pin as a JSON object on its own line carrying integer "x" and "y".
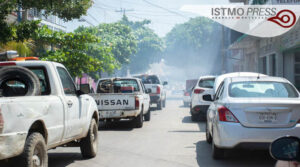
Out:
{"x": 170, "y": 139}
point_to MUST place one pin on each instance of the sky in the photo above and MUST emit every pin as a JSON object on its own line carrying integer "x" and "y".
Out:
{"x": 164, "y": 14}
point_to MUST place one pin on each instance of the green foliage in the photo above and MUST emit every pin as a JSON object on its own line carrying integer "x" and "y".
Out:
{"x": 64, "y": 9}
{"x": 187, "y": 43}
{"x": 17, "y": 32}
{"x": 117, "y": 36}
{"x": 77, "y": 51}
{"x": 150, "y": 46}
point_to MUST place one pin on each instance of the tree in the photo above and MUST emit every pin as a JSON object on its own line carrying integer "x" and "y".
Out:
{"x": 64, "y": 9}
{"x": 194, "y": 44}
{"x": 150, "y": 46}
{"x": 117, "y": 36}
{"x": 187, "y": 40}
{"x": 78, "y": 51}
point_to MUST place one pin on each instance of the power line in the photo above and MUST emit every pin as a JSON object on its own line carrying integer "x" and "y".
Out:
{"x": 166, "y": 9}
{"x": 123, "y": 10}
{"x": 94, "y": 18}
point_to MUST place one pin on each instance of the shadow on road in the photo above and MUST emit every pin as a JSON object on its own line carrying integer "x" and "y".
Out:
{"x": 187, "y": 119}
{"x": 201, "y": 124}
{"x": 63, "y": 159}
{"x": 116, "y": 126}
{"x": 233, "y": 157}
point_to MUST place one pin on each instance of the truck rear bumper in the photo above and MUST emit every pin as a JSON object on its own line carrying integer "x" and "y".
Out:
{"x": 12, "y": 144}
{"x": 118, "y": 114}
{"x": 154, "y": 98}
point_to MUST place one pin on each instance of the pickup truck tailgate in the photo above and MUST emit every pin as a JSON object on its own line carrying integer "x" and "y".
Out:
{"x": 153, "y": 87}
{"x": 113, "y": 101}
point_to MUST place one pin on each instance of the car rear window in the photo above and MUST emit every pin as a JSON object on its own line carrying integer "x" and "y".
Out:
{"x": 207, "y": 83}
{"x": 262, "y": 89}
{"x": 20, "y": 89}
{"x": 118, "y": 86}
{"x": 149, "y": 79}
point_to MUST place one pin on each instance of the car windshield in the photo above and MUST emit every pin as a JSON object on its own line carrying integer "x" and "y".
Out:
{"x": 207, "y": 83}
{"x": 262, "y": 89}
{"x": 118, "y": 86}
{"x": 149, "y": 79}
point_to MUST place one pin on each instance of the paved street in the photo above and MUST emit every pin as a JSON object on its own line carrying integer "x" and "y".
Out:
{"x": 170, "y": 139}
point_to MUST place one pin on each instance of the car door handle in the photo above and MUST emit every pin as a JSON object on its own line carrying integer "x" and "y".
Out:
{"x": 70, "y": 103}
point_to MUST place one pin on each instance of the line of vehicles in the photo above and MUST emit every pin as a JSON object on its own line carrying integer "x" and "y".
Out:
{"x": 245, "y": 110}
{"x": 41, "y": 108}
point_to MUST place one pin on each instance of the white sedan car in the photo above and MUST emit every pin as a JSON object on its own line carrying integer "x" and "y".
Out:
{"x": 251, "y": 112}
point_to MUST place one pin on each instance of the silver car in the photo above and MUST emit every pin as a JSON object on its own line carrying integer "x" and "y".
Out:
{"x": 251, "y": 112}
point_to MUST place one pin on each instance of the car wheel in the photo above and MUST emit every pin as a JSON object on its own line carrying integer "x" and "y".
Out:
{"x": 89, "y": 144}
{"x": 208, "y": 136}
{"x": 159, "y": 105}
{"x": 35, "y": 151}
{"x": 138, "y": 121}
{"x": 147, "y": 117}
{"x": 217, "y": 153}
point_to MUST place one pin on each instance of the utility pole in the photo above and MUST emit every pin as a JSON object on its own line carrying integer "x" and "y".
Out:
{"x": 123, "y": 10}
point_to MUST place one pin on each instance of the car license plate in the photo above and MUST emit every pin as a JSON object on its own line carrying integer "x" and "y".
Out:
{"x": 110, "y": 114}
{"x": 267, "y": 117}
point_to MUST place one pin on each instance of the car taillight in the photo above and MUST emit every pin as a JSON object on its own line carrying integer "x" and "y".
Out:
{"x": 1, "y": 122}
{"x": 137, "y": 103}
{"x": 198, "y": 91}
{"x": 186, "y": 94}
{"x": 298, "y": 121}
{"x": 157, "y": 90}
{"x": 225, "y": 115}
{"x": 8, "y": 64}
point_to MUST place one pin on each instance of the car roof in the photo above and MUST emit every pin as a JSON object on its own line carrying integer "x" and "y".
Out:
{"x": 221, "y": 78}
{"x": 207, "y": 77}
{"x": 119, "y": 78}
{"x": 33, "y": 62}
{"x": 255, "y": 78}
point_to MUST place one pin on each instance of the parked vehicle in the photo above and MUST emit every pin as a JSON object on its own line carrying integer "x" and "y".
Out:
{"x": 158, "y": 92}
{"x": 189, "y": 86}
{"x": 251, "y": 112}
{"x": 41, "y": 109}
{"x": 199, "y": 106}
{"x": 287, "y": 151}
{"x": 123, "y": 98}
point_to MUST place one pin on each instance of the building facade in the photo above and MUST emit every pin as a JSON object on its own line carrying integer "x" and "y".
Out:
{"x": 53, "y": 22}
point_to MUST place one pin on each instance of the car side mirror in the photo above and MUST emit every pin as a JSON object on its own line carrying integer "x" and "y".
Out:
{"x": 286, "y": 149}
{"x": 207, "y": 97}
{"x": 165, "y": 83}
{"x": 148, "y": 91}
{"x": 85, "y": 88}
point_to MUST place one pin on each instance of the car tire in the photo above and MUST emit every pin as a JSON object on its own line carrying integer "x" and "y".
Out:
{"x": 147, "y": 116}
{"x": 23, "y": 75}
{"x": 208, "y": 136}
{"x": 159, "y": 105}
{"x": 138, "y": 121}
{"x": 35, "y": 151}
{"x": 89, "y": 144}
{"x": 217, "y": 153}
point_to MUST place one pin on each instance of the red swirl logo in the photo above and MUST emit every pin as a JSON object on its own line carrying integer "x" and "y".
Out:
{"x": 284, "y": 18}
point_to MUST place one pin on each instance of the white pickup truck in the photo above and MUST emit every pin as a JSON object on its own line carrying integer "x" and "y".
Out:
{"x": 41, "y": 109}
{"x": 123, "y": 98}
{"x": 158, "y": 92}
